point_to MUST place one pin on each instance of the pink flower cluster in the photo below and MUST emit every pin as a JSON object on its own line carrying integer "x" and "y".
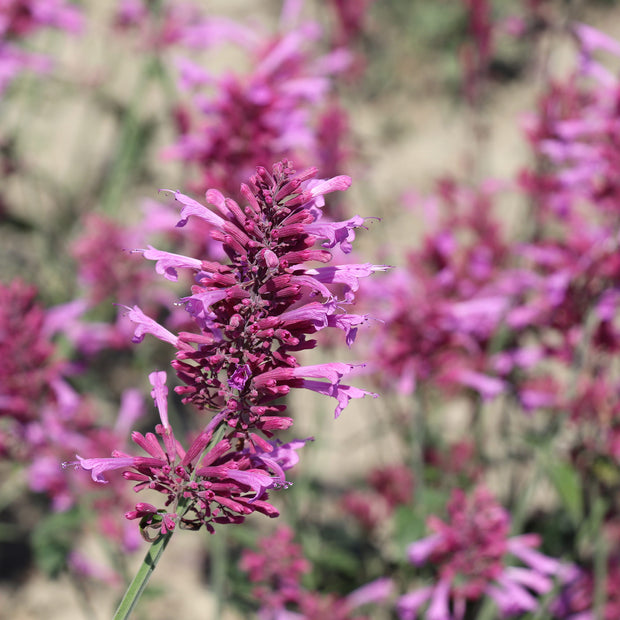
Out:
{"x": 527, "y": 314}
{"x": 277, "y": 568}
{"x": 278, "y": 109}
{"x": 220, "y": 486}
{"x": 543, "y": 297}
{"x": 253, "y": 314}
{"x": 43, "y": 420}
{"x": 441, "y": 311}
{"x": 470, "y": 553}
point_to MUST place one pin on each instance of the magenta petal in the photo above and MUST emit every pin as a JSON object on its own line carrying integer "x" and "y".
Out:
{"x": 335, "y": 184}
{"x": 439, "y": 608}
{"x": 191, "y": 207}
{"x": 168, "y": 263}
{"x": 160, "y": 395}
{"x": 408, "y": 605}
{"x": 98, "y": 466}
{"x": 419, "y": 551}
{"x": 373, "y": 592}
{"x": 146, "y": 325}
{"x": 258, "y": 481}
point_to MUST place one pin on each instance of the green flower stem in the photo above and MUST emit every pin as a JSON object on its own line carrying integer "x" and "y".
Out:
{"x": 137, "y": 586}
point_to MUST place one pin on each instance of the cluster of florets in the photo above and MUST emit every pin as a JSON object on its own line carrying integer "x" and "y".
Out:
{"x": 534, "y": 317}
{"x": 277, "y": 568}
{"x": 253, "y": 314}
{"x": 275, "y": 110}
{"x": 105, "y": 267}
{"x": 471, "y": 287}
{"x": 440, "y": 313}
{"x": 28, "y": 369}
{"x": 221, "y": 484}
{"x": 470, "y": 552}
{"x": 43, "y": 421}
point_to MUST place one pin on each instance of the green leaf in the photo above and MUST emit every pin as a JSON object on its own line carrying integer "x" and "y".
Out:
{"x": 53, "y": 540}
{"x": 567, "y": 483}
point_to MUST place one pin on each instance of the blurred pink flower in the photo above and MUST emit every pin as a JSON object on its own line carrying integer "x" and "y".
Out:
{"x": 470, "y": 555}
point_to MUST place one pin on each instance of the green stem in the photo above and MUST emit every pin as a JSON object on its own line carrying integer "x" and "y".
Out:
{"x": 128, "y": 149}
{"x": 137, "y": 586}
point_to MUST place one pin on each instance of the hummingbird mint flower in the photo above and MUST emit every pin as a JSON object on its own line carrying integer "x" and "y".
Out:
{"x": 257, "y": 310}
{"x": 470, "y": 553}
{"x": 253, "y": 313}
{"x": 281, "y": 101}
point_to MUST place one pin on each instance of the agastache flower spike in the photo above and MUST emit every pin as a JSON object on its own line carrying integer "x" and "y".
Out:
{"x": 255, "y": 312}
{"x": 470, "y": 552}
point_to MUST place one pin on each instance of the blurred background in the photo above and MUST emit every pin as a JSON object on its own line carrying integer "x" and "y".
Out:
{"x": 428, "y": 106}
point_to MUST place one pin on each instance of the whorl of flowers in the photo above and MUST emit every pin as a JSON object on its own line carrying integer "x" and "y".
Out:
{"x": 27, "y": 368}
{"x": 470, "y": 553}
{"x": 253, "y": 314}
{"x": 209, "y": 483}
{"x": 256, "y": 312}
{"x": 440, "y": 312}
{"x": 43, "y": 421}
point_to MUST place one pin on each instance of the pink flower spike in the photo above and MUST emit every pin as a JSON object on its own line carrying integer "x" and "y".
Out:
{"x": 160, "y": 395}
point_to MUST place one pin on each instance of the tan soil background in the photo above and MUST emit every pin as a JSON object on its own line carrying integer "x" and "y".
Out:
{"x": 408, "y": 136}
